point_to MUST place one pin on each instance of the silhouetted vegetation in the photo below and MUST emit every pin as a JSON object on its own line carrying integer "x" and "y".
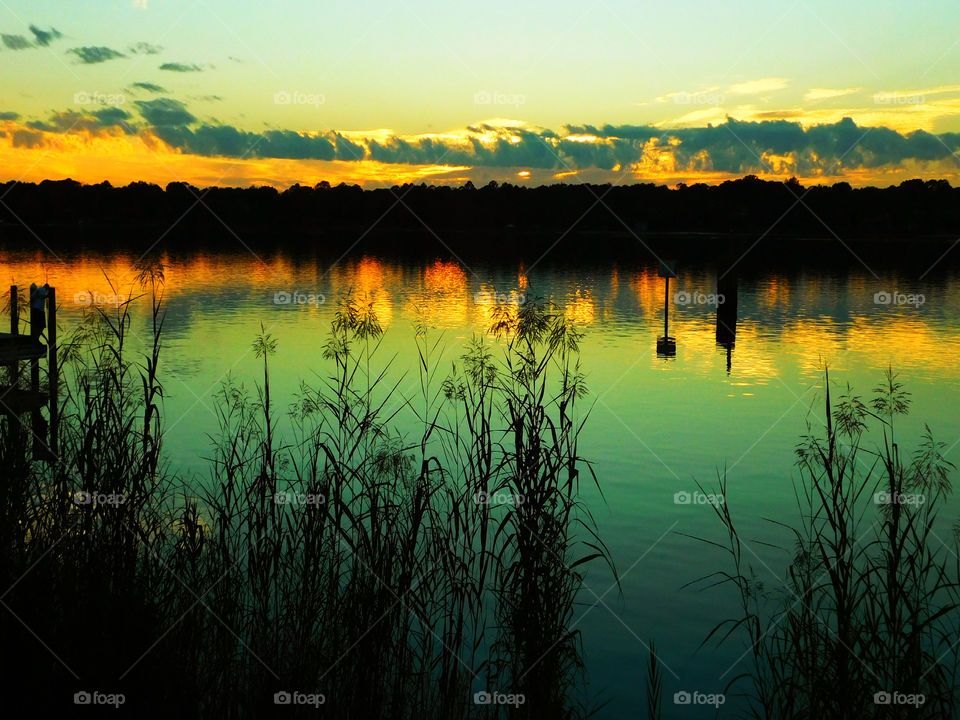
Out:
{"x": 396, "y": 576}
{"x": 866, "y": 622}
{"x": 142, "y": 215}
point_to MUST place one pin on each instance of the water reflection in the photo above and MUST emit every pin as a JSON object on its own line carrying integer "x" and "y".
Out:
{"x": 654, "y": 421}
{"x": 817, "y": 316}
{"x": 727, "y": 314}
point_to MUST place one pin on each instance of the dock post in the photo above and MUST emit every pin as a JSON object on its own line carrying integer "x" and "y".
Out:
{"x": 14, "y": 366}
{"x": 666, "y": 307}
{"x": 14, "y": 311}
{"x": 53, "y": 370}
{"x": 37, "y": 321}
{"x": 666, "y": 345}
{"x": 727, "y": 287}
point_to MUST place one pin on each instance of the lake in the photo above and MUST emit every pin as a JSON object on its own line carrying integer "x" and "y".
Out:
{"x": 658, "y": 424}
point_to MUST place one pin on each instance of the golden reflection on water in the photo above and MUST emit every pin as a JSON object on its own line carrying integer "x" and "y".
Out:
{"x": 441, "y": 298}
{"x": 368, "y": 278}
{"x": 579, "y": 307}
{"x": 812, "y": 318}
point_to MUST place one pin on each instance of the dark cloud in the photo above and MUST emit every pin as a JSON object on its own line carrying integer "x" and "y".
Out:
{"x": 91, "y": 55}
{"x": 114, "y": 117}
{"x": 27, "y": 139}
{"x": 734, "y": 147}
{"x": 9, "y": 116}
{"x": 145, "y": 48}
{"x": 164, "y": 112}
{"x": 95, "y": 122}
{"x": 180, "y": 67}
{"x": 170, "y": 121}
{"x": 227, "y": 141}
{"x": 16, "y": 42}
{"x": 745, "y": 147}
{"x": 149, "y": 87}
{"x": 626, "y": 132}
{"x": 45, "y": 37}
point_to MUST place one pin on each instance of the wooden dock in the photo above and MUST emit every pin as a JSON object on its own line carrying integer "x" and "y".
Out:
{"x": 17, "y": 349}
{"x": 14, "y": 348}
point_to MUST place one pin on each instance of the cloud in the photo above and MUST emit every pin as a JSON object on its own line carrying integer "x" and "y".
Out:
{"x": 777, "y": 115}
{"x": 828, "y": 93}
{"x": 42, "y": 38}
{"x": 227, "y": 141}
{"x": 940, "y": 90}
{"x": 772, "y": 143}
{"x": 145, "y": 48}
{"x": 96, "y": 122}
{"x": 180, "y": 67}
{"x": 16, "y": 42}
{"x": 114, "y": 117}
{"x": 27, "y": 139}
{"x": 756, "y": 87}
{"x": 9, "y": 116}
{"x": 45, "y": 37}
{"x": 149, "y": 87}
{"x": 91, "y": 55}
{"x": 164, "y": 112}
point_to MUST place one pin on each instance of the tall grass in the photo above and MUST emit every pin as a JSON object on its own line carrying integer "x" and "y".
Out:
{"x": 341, "y": 558}
{"x": 869, "y": 602}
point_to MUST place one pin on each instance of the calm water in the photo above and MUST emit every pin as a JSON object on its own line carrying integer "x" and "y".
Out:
{"x": 658, "y": 424}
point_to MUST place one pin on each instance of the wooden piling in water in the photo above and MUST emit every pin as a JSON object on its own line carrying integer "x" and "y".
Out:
{"x": 14, "y": 400}
{"x": 37, "y": 318}
{"x": 14, "y": 311}
{"x": 53, "y": 369}
{"x": 14, "y": 367}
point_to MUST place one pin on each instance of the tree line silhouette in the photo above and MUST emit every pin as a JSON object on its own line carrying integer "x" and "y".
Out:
{"x": 68, "y": 211}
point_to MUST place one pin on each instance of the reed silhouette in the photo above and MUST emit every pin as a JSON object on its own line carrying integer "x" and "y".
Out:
{"x": 346, "y": 563}
{"x": 866, "y": 622}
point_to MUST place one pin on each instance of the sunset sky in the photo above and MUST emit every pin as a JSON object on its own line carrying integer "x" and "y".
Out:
{"x": 236, "y": 93}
